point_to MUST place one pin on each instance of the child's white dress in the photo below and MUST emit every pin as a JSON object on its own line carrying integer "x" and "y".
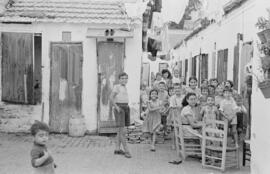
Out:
{"x": 153, "y": 118}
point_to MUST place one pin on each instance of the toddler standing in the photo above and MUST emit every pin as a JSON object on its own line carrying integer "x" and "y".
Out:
{"x": 41, "y": 158}
{"x": 209, "y": 112}
{"x": 228, "y": 110}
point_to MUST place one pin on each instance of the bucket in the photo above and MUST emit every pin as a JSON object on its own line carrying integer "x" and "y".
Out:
{"x": 76, "y": 127}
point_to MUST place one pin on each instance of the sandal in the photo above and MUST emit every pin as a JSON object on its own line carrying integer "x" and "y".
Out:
{"x": 127, "y": 155}
{"x": 175, "y": 162}
{"x": 119, "y": 152}
{"x": 152, "y": 150}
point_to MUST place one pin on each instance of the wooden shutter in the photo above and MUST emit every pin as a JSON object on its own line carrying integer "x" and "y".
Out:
{"x": 225, "y": 64}
{"x": 180, "y": 68}
{"x": 17, "y": 67}
{"x": 193, "y": 70}
{"x": 213, "y": 64}
{"x": 186, "y": 69}
{"x": 146, "y": 72}
{"x": 236, "y": 66}
{"x": 222, "y": 67}
{"x": 204, "y": 66}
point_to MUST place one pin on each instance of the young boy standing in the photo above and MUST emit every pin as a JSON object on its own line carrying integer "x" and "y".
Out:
{"x": 119, "y": 99}
{"x": 41, "y": 159}
{"x": 163, "y": 96}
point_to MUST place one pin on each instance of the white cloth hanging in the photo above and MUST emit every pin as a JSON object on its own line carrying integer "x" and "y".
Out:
{"x": 173, "y": 10}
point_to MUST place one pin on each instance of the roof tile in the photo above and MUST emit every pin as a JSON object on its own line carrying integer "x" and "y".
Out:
{"x": 76, "y": 11}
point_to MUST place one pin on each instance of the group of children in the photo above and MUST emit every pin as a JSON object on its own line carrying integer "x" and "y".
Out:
{"x": 195, "y": 106}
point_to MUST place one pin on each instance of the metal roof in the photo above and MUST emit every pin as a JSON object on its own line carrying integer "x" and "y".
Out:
{"x": 64, "y": 11}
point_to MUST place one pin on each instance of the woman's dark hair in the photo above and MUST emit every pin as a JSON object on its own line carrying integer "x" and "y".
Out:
{"x": 211, "y": 96}
{"x": 177, "y": 84}
{"x": 166, "y": 71}
{"x": 213, "y": 79}
{"x": 37, "y": 126}
{"x": 184, "y": 102}
{"x": 211, "y": 86}
{"x": 162, "y": 82}
{"x": 227, "y": 89}
{"x": 205, "y": 88}
{"x": 122, "y": 74}
{"x": 170, "y": 88}
{"x": 203, "y": 80}
{"x": 153, "y": 90}
{"x": 231, "y": 83}
{"x": 192, "y": 78}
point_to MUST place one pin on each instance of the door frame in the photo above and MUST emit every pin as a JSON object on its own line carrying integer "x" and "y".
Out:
{"x": 50, "y": 57}
{"x": 110, "y": 130}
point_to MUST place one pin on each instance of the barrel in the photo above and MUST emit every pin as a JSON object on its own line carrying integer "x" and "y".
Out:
{"x": 76, "y": 127}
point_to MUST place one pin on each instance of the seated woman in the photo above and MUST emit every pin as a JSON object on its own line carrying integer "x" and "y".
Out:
{"x": 190, "y": 116}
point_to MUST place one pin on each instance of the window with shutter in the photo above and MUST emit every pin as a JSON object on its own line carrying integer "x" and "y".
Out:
{"x": 222, "y": 66}
{"x": 17, "y": 67}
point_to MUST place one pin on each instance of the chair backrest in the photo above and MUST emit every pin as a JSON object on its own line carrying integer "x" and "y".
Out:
{"x": 178, "y": 131}
{"x": 185, "y": 145}
{"x": 214, "y": 139}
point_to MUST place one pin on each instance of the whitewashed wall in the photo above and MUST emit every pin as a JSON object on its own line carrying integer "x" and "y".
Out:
{"x": 260, "y": 136}
{"x": 242, "y": 20}
{"x": 224, "y": 34}
{"x": 53, "y": 33}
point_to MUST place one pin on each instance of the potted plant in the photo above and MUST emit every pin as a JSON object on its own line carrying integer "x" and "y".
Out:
{"x": 263, "y": 25}
{"x": 264, "y": 85}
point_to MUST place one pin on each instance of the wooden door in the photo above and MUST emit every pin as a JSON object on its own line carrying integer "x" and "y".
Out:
{"x": 66, "y": 84}
{"x": 222, "y": 65}
{"x": 193, "y": 66}
{"x": 17, "y": 67}
{"x": 110, "y": 64}
{"x": 186, "y": 71}
{"x": 145, "y": 73}
{"x": 204, "y": 67}
{"x": 213, "y": 73}
{"x": 236, "y": 66}
{"x": 180, "y": 68}
{"x": 246, "y": 55}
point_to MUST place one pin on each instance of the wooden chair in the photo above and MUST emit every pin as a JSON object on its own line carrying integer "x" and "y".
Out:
{"x": 186, "y": 145}
{"x": 246, "y": 151}
{"x": 215, "y": 151}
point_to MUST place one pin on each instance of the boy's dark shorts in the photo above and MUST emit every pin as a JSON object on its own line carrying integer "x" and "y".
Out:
{"x": 164, "y": 120}
{"x": 122, "y": 118}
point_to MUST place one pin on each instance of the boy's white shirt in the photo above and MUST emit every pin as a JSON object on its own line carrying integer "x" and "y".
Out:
{"x": 230, "y": 100}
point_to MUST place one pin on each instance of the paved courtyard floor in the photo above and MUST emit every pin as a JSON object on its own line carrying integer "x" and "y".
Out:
{"x": 94, "y": 155}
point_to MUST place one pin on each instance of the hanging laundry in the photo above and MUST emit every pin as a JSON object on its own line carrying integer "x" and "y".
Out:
{"x": 157, "y": 6}
{"x": 153, "y": 46}
{"x": 173, "y": 10}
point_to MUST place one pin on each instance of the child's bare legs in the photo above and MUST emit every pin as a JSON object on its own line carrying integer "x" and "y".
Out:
{"x": 117, "y": 140}
{"x": 235, "y": 135}
{"x": 173, "y": 140}
{"x": 153, "y": 141}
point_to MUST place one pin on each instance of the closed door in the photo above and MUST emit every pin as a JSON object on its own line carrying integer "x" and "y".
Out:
{"x": 203, "y": 67}
{"x": 17, "y": 67}
{"x": 246, "y": 55}
{"x": 145, "y": 73}
{"x": 236, "y": 66}
{"x": 222, "y": 65}
{"x": 110, "y": 64}
{"x": 66, "y": 84}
